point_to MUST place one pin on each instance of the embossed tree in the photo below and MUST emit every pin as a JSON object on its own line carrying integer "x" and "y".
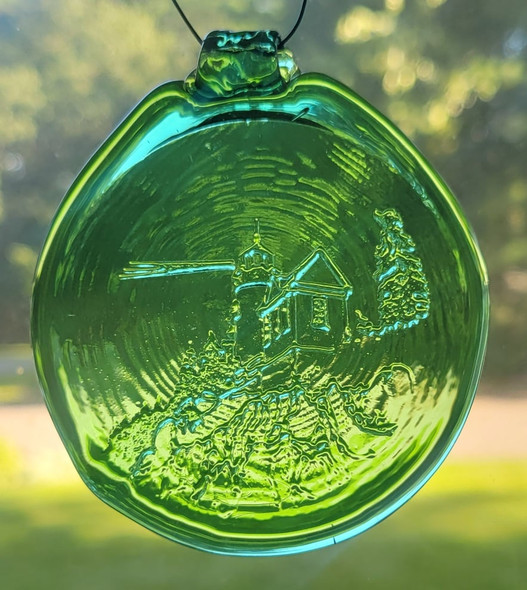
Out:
{"x": 403, "y": 295}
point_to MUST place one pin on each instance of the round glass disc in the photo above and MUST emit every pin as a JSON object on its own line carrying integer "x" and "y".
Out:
{"x": 259, "y": 323}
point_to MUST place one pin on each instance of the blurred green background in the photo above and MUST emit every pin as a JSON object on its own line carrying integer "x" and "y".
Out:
{"x": 453, "y": 75}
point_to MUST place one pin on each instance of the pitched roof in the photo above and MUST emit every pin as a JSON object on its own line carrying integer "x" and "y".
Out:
{"x": 316, "y": 275}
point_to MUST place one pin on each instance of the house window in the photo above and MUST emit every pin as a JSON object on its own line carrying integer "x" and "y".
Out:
{"x": 267, "y": 329}
{"x": 282, "y": 321}
{"x": 285, "y": 320}
{"x": 319, "y": 319}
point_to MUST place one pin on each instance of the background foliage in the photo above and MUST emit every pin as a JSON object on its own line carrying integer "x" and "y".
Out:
{"x": 451, "y": 73}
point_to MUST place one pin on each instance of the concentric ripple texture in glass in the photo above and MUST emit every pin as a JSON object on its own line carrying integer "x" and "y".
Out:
{"x": 259, "y": 317}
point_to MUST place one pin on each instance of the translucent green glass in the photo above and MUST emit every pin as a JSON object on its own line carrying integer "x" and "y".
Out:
{"x": 259, "y": 317}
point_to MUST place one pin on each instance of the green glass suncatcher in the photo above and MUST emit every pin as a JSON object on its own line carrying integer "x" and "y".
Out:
{"x": 259, "y": 317}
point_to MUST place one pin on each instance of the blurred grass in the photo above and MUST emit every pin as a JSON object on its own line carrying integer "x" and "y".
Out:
{"x": 466, "y": 529}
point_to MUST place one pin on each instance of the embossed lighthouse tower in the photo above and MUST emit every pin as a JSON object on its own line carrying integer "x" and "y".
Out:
{"x": 254, "y": 280}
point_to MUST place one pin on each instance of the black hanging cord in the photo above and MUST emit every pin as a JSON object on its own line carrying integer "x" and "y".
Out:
{"x": 297, "y": 24}
{"x": 200, "y": 40}
{"x": 187, "y": 22}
